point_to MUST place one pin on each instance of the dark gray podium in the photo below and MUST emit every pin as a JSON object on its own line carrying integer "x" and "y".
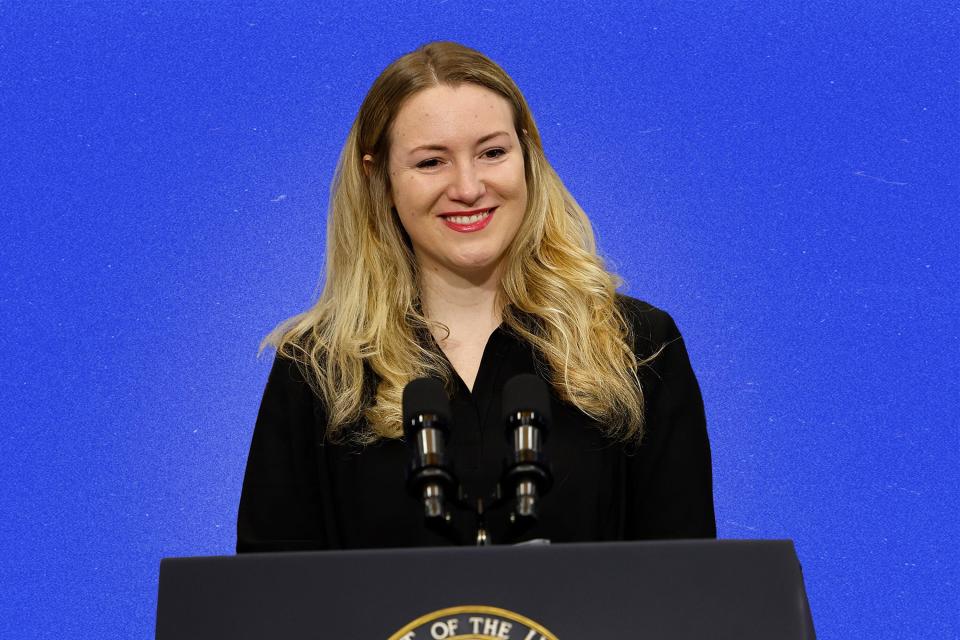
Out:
{"x": 736, "y": 589}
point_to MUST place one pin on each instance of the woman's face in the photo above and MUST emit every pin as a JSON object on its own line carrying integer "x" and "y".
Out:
{"x": 457, "y": 178}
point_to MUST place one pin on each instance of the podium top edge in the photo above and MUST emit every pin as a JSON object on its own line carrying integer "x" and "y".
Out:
{"x": 563, "y": 547}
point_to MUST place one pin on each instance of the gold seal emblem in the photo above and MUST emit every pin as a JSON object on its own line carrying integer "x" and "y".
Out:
{"x": 477, "y": 622}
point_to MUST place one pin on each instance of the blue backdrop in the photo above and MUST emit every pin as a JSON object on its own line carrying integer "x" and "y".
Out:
{"x": 782, "y": 179}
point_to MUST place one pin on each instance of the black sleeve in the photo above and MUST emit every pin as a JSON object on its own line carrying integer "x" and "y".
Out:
{"x": 670, "y": 474}
{"x": 280, "y": 505}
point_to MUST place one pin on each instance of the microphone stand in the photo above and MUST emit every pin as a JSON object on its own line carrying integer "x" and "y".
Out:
{"x": 526, "y": 476}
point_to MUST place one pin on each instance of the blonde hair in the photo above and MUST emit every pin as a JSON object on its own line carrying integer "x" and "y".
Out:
{"x": 367, "y": 336}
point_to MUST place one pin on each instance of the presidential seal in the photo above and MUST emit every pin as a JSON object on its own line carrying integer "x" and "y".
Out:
{"x": 473, "y": 623}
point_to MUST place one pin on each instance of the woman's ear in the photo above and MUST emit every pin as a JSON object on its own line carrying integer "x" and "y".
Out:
{"x": 368, "y": 171}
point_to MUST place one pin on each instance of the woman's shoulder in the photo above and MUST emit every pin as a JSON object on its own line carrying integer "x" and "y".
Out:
{"x": 291, "y": 384}
{"x": 287, "y": 370}
{"x": 651, "y": 327}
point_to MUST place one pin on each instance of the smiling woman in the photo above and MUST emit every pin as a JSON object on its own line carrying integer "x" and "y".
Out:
{"x": 454, "y": 251}
{"x": 458, "y": 186}
{"x": 456, "y": 179}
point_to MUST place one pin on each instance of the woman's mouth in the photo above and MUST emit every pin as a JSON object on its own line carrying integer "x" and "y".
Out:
{"x": 468, "y": 221}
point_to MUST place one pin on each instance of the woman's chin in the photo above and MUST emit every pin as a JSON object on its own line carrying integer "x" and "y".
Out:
{"x": 474, "y": 266}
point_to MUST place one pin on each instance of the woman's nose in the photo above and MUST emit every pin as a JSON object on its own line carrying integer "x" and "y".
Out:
{"x": 467, "y": 184}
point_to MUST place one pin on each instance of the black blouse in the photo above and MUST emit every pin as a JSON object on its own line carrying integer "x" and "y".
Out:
{"x": 301, "y": 492}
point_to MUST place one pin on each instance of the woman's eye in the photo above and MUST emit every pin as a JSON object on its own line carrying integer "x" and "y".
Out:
{"x": 494, "y": 153}
{"x": 428, "y": 164}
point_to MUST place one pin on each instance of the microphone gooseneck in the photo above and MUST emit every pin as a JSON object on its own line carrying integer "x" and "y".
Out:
{"x": 526, "y": 414}
{"x": 426, "y": 419}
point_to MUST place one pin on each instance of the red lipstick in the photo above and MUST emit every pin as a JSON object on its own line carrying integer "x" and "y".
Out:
{"x": 486, "y": 215}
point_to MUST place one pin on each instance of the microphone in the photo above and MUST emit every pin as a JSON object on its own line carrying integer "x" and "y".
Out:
{"x": 526, "y": 413}
{"x": 426, "y": 416}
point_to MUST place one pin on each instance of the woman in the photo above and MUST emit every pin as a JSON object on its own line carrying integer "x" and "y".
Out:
{"x": 454, "y": 251}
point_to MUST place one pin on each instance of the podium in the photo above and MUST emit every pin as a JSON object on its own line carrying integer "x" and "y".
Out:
{"x": 671, "y": 590}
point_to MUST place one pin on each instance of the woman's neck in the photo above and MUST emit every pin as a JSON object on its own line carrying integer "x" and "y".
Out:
{"x": 468, "y": 307}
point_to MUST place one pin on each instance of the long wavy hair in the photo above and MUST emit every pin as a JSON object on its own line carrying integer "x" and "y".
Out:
{"x": 367, "y": 335}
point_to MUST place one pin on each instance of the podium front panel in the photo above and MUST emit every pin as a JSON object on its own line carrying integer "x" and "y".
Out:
{"x": 674, "y": 590}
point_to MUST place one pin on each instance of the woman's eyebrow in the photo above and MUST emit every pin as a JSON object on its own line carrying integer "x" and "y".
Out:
{"x": 440, "y": 147}
{"x": 490, "y": 136}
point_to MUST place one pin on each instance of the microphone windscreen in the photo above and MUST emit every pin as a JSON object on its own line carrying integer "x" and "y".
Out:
{"x": 526, "y": 392}
{"x": 425, "y": 396}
